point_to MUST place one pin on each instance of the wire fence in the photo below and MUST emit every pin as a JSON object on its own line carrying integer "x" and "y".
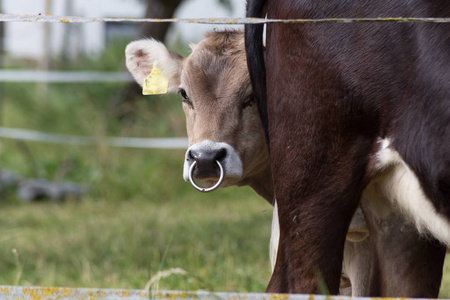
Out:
{"x": 17, "y": 292}
{"x": 77, "y": 77}
{"x": 127, "y": 142}
{"x": 63, "y": 77}
{"x": 214, "y": 21}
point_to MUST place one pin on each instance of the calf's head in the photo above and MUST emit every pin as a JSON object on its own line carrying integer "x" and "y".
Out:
{"x": 222, "y": 121}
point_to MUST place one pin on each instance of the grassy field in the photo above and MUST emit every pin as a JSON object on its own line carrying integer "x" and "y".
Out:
{"x": 140, "y": 223}
{"x": 222, "y": 245}
{"x": 138, "y": 218}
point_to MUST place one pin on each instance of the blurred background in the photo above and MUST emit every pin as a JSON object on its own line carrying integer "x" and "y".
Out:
{"x": 112, "y": 217}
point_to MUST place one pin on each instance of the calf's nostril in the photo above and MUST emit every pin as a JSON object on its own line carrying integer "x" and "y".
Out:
{"x": 220, "y": 154}
{"x": 194, "y": 154}
{"x": 207, "y": 155}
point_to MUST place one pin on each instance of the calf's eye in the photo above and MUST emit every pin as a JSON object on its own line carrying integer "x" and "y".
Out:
{"x": 182, "y": 92}
{"x": 248, "y": 102}
{"x": 185, "y": 97}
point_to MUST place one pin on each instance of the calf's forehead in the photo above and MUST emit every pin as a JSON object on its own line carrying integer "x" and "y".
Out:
{"x": 217, "y": 85}
{"x": 206, "y": 73}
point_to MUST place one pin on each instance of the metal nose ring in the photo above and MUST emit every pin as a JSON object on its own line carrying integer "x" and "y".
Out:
{"x": 210, "y": 189}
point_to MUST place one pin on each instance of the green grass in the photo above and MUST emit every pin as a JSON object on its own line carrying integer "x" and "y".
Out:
{"x": 139, "y": 218}
{"x": 123, "y": 244}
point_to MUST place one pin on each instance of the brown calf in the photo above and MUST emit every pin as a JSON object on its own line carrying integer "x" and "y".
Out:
{"x": 221, "y": 119}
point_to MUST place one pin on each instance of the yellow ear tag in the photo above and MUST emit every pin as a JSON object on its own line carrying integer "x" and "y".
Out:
{"x": 155, "y": 83}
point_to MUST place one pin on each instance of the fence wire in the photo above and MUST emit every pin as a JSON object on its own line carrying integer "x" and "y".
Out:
{"x": 127, "y": 142}
{"x": 40, "y": 18}
{"x": 63, "y": 76}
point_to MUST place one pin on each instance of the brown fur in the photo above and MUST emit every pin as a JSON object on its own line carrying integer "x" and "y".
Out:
{"x": 329, "y": 93}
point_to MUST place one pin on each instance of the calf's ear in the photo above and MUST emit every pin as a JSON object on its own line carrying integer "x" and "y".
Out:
{"x": 142, "y": 55}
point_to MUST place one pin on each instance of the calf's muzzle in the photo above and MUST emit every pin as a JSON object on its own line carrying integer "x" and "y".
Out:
{"x": 210, "y": 162}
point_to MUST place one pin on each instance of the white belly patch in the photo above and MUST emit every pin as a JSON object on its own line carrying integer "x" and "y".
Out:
{"x": 400, "y": 185}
